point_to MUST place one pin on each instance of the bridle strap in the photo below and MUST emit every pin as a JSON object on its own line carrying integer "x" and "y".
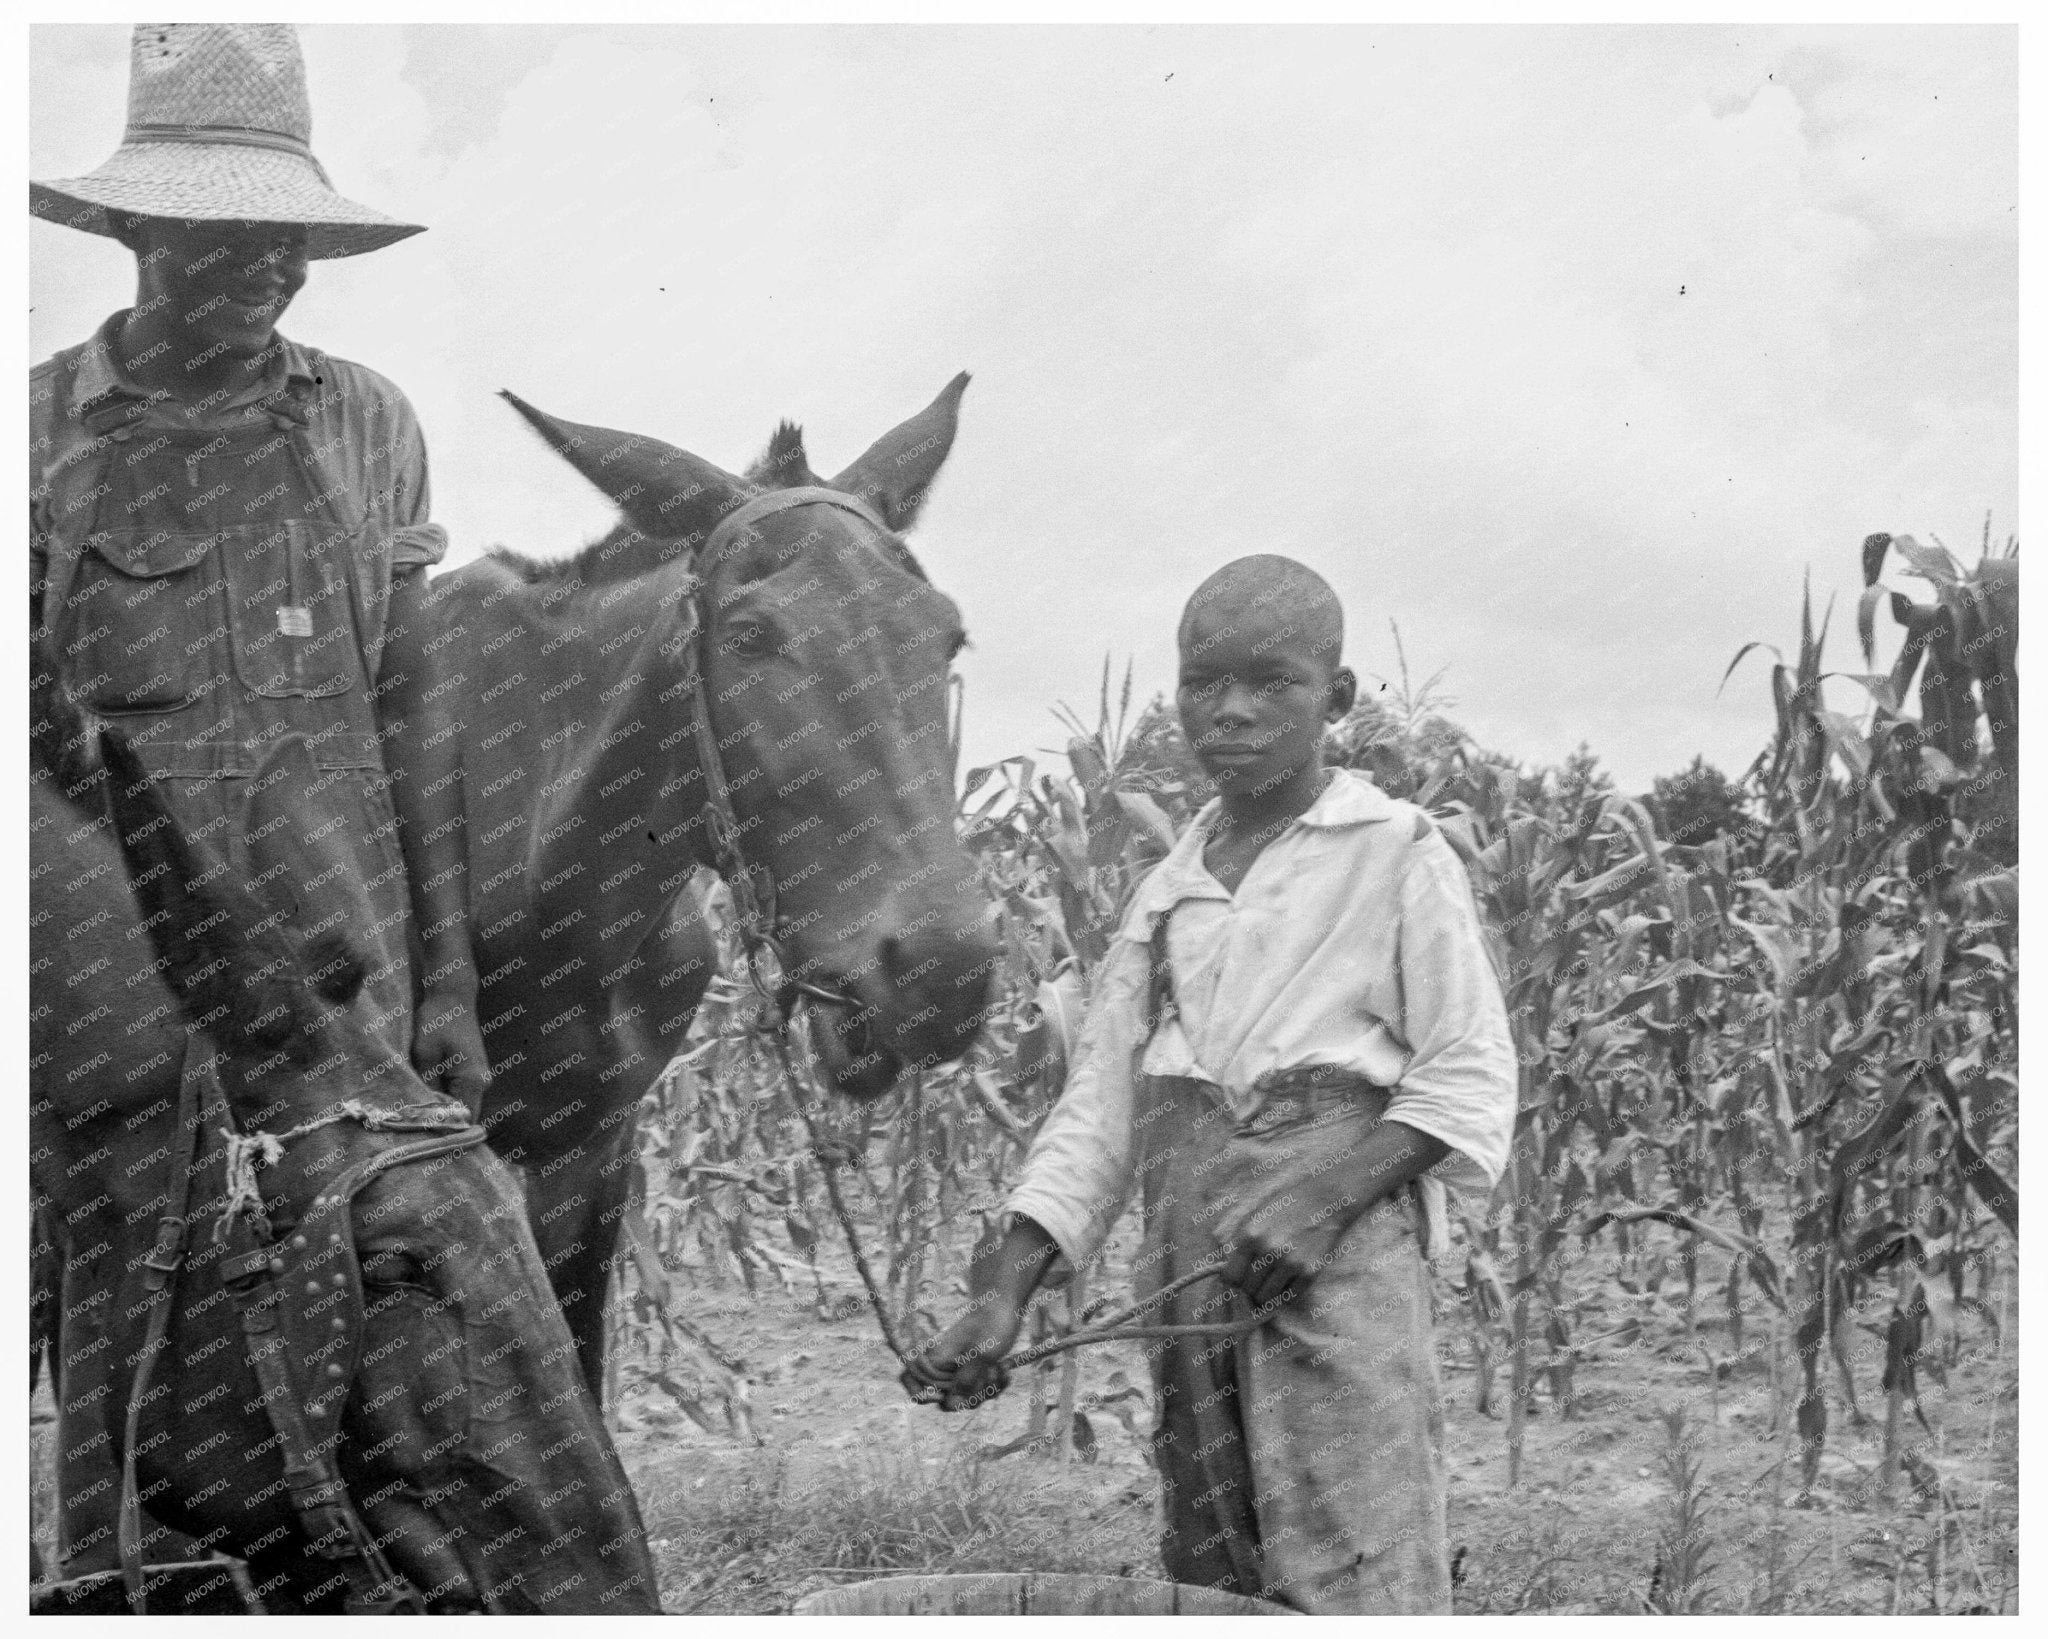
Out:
{"x": 753, "y": 887}
{"x": 159, "y": 1284}
{"x": 767, "y": 504}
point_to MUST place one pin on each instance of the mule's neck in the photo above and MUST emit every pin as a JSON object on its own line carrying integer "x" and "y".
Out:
{"x": 620, "y": 830}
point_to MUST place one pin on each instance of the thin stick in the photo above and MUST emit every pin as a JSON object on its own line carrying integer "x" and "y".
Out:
{"x": 1076, "y": 1340}
{"x": 1122, "y": 1316}
{"x": 1070, "y": 1370}
{"x": 1116, "y": 1328}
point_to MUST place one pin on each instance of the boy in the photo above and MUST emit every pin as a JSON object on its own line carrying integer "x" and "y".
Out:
{"x": 1295, "y": 1042}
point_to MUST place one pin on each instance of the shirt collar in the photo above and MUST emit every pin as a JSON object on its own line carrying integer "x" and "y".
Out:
{"x": 102, "y": 389}
{"x": 1349, "y": 799}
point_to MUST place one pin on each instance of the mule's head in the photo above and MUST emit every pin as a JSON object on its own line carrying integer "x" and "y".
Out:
{"x": 827, "y": 659}
{"x": 470, "y": 1444}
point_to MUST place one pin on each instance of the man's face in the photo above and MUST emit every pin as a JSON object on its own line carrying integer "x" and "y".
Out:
{"x": 223, "y": 284}
{"x": 1254, "y": 695}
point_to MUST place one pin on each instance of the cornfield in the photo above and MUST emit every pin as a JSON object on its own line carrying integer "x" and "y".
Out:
{"x": 1785, "y": 1031}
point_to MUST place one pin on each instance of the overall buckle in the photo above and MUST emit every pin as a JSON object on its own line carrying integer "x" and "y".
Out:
{"x": 167, "y": 1255}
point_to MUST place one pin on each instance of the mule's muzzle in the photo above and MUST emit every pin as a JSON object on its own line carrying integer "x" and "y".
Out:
{"x": 851, "y": 1051}
{"x": 921, "y": 1001}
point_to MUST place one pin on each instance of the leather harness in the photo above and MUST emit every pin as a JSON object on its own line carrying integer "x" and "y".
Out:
{"x": 302, "y": 1344}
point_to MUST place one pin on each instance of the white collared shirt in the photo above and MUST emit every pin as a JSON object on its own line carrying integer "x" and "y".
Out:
{"x": 1352, "y": 941}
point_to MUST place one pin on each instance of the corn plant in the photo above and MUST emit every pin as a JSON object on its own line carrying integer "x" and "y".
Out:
{"x": 1790, "y": 1043}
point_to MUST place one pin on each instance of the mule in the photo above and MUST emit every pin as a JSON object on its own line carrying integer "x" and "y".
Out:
{"x": 788, "y": 612}
{"x": 355, "y": 1371}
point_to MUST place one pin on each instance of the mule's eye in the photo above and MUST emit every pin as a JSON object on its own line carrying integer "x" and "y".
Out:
{"x": 390, "y": 1267}
{"x": 748, "y": 640}
{"x": 955, "y": 644}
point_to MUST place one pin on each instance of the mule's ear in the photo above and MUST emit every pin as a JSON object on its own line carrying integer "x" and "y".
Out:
{"x": 898, "y": 468}
{"x": 300, "y": 862}
{"x": 663, "y": 491}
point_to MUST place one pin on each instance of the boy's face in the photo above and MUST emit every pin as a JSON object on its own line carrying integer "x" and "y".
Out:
{"x": 1254, "y": 694}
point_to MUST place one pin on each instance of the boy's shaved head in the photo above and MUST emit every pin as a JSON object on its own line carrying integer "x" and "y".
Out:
{"x": 1261, "y": 675}
{"x": 1266, "y": 590}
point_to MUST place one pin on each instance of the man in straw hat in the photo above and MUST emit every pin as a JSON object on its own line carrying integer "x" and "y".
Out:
{"x": 229, "y": 535}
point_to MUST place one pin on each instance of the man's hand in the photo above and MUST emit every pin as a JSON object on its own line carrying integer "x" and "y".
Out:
{"x": 448, "y": 1048}
{"x": 962, "y": 1367}
{"x": 1284, "y": 1227}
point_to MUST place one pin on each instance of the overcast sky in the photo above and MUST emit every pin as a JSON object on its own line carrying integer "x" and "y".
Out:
{"x": 1570, "y": 350}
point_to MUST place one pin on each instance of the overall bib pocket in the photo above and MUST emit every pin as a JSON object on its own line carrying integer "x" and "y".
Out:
{"x": 290, "y": 613}
{"x": 141, "y": 623}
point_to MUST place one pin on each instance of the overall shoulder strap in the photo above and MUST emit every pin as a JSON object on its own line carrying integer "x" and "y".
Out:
{"x": 61, "y": 462}
{"x": 55, "y": 378}
{"x": 302, "y": 399}
{"x": 1160, "y": 1002}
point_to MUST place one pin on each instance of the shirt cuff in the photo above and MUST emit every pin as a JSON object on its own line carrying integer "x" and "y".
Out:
{"x": 1069, "y": 1226}
{"x": 1458, "y": 1171}
{"x": 415, "y": 546}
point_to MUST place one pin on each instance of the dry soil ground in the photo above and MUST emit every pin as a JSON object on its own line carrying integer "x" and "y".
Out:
{"x": 850, "y": 1480}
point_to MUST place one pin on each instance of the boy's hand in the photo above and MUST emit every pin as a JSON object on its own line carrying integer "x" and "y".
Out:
{"x": 1286, "y": 1227}
{"x": 1276, "y": 1246}
{"x": 962, "y": 1367}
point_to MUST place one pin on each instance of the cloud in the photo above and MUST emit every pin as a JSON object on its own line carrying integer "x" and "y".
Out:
{"x": 1569, "y": 349}
{"x": 1915, "y": 128}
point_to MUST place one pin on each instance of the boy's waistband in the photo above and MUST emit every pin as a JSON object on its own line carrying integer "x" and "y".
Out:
{"x": 1301, "y": 1098}
{"x": 1309, "y": 1092}
{"x": 1286, "y": 1098}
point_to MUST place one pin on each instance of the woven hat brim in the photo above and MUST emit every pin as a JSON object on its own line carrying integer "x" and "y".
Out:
{"x": 205, "y": 182}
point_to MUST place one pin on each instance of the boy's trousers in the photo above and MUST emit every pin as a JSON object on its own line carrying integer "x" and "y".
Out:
{"x": 1304, "y": 1461}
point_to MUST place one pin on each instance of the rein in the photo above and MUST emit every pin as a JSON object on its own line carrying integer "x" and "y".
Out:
{"x": 756, "y": 919}
{"x": 281, "y": 1296}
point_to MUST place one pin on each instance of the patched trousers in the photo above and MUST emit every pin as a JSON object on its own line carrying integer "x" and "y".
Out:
{"x": 1302, "y": 1462}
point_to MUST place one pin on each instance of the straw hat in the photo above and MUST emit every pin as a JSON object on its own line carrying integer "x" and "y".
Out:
{"x": 218, "y": 127}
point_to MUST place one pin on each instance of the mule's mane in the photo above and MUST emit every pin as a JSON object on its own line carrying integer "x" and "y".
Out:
{"x": 600, "y": 563}
{"x": 783, "y": 464}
